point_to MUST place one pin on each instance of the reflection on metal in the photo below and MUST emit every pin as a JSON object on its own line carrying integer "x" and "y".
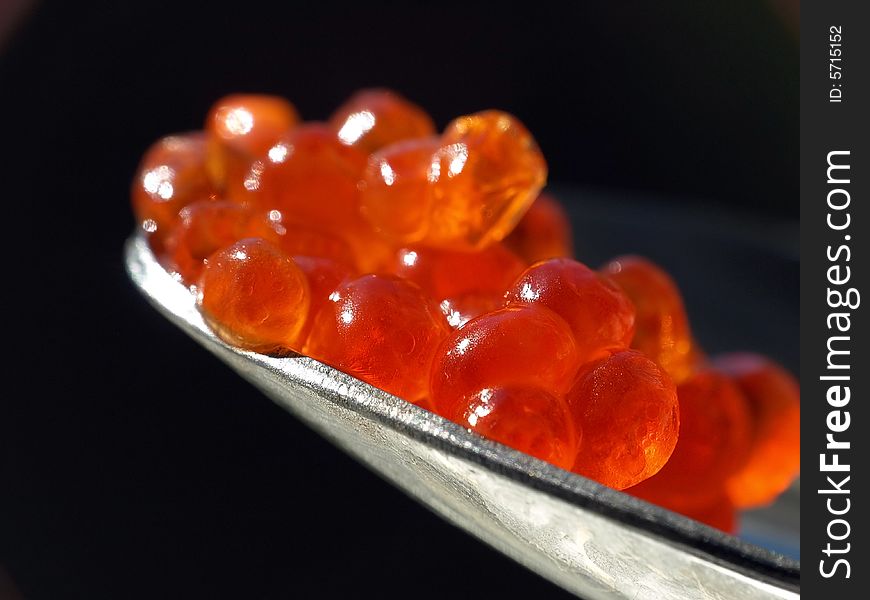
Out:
{"x": 589, "y": 539}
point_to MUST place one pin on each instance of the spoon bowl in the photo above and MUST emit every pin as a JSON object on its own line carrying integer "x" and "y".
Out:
{"x": 589, "y": 539}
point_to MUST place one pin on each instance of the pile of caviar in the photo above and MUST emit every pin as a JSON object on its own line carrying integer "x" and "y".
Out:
{"x": 430, "y": 265}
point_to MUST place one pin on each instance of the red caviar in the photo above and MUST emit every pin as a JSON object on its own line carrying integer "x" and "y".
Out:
{"x": 381, "y": 329}
{"x": 255, "y": 296}
{"x": 714, "y": 443}
{"x": 372, "y": 119}
{"x": 172, "y": 175}
{"x": 600, "y": 315}
{"x": 773, "y": 396}
{"x": 517, "y": 345}
{"x": 526, "y": 418}
{"x": 466, "y": 284}
{"x": 467, "y": 189}
{"x": 324, "y": 275}
{"x": 661, "y": 324}
{"x": 310, "y": 177}
{"x": 203, "y": 228}
{"x": 543, "y": 232}
{"x": 431, "y": 267}
{"x": 628, "y": 411}
{"x": 241, "y": 129}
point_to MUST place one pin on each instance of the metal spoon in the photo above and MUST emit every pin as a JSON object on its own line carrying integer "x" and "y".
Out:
{"x": 591, "y": 540}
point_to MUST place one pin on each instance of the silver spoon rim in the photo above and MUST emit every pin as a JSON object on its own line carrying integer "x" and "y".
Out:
{"x": 693, "y": 537}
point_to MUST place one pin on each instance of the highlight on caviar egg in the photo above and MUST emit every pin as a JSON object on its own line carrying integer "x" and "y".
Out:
{"x": 431, "y": 265}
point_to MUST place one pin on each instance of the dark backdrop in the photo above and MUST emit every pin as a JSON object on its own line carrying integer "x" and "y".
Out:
{"x": 131, "y": 463}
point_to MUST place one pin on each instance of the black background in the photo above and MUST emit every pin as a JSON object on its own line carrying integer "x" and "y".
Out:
{"x": 132, "y": 464}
